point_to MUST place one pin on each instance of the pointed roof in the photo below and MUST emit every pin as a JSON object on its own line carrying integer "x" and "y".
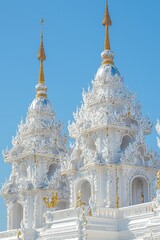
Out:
{"x": 107, "y": 55}
{"x": 107, "y": 22}
{"x": 41, "y": 57}
{"x": 41, "y": 87}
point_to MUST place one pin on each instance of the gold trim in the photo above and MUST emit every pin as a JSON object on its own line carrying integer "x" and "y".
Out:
{"x": 89, "y": 212}
{"x": 158, "y": 179}
{"x": 117, "y": 190}
{"x": 41, "y": 73}
{"x": 41, "y": 95}
{"x": 54, "y": 201}
{"x": 79, "y": 201}
{"x": 41, "y": 58}
{"x": 107, "y": 62}
{"x": 19, "y": 234}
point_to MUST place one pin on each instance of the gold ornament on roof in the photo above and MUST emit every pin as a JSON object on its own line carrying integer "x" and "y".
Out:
{"x": 158, "y": 179}
{"x": 54, "y": 201}
{"x": 41, "y": 58}
{"x": 107, "y": 23}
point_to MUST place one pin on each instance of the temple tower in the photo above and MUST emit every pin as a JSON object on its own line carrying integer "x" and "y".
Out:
{"x": 35, "y": 157}
{"x": 110, "y": 164}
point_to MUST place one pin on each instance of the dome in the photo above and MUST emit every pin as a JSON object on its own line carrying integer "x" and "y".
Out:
{"x": 108, "y": 70}
{"x": 41, "y": 105}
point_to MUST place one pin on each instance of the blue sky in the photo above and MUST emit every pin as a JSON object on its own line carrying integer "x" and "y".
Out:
{"x": 73, "y": 40}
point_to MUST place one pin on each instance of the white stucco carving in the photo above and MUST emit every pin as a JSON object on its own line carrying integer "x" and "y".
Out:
{"x": 105, "y": 181}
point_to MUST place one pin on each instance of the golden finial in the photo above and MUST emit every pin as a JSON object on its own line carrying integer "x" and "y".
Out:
{"x": 41, "y": 56}
{"x": 107, "y": 54}
{"x": 158, "y": 179}
{"x": 41, "y": 88}
{"x": 54, "y": 201}
{"x": 107, "y": 22}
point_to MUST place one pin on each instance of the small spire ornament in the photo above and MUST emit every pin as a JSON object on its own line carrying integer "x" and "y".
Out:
{"x": 107, "y": 54}
{"x": 41, "y": 87}
{"x": 41, "y": 57}
{"x": 107, "y": 23}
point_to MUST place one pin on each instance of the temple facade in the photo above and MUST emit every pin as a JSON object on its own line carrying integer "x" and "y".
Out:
{"x": 105, "y": 186}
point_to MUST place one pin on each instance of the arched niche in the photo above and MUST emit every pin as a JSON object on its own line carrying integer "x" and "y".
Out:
{"x": 126, "y": 140}
{"x": 51, "y": 170}
{"x": 85, "y": 190}
{"x": 17, "y": 215}
{"x": 139, "y": 189}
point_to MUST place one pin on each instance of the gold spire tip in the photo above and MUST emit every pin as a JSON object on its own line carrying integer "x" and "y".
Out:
{"x": 41, "y": 89}
{"x": 41, "y": 56}
{"x": 107, "y": 22}
{"x": 107, "y": 55}
{"x": 107, "y": 19}
{"x": 41, "y": 53}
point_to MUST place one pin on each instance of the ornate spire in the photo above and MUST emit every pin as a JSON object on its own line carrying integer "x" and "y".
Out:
{"x": 108, "y": 55}
{"x": 107, "y": 22}
{"x": 41, "y": 88}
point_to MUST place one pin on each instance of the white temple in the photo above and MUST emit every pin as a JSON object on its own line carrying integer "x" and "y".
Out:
{"x": 105, "y": 187}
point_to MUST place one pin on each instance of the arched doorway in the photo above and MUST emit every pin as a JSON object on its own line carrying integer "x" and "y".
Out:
{"x": 85, "y": 189}
{"x": 17, "y": 215}
{"x": 139, "y": 190}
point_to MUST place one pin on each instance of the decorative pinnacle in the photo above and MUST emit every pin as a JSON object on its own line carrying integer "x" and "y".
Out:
{"x": 107, "y": 55}
{"x": 41, "y": 57}
{"x": 107, "y": 22}
{"x": 41, "y": 88}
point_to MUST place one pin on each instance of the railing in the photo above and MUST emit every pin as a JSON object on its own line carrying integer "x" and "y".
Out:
{"x": 138, "y": 209}
{"x": 62, "y": 214}
{"x": 9, "y": 233}
{"x": 124, "y": 212}
{"x": 110, "y": 213}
